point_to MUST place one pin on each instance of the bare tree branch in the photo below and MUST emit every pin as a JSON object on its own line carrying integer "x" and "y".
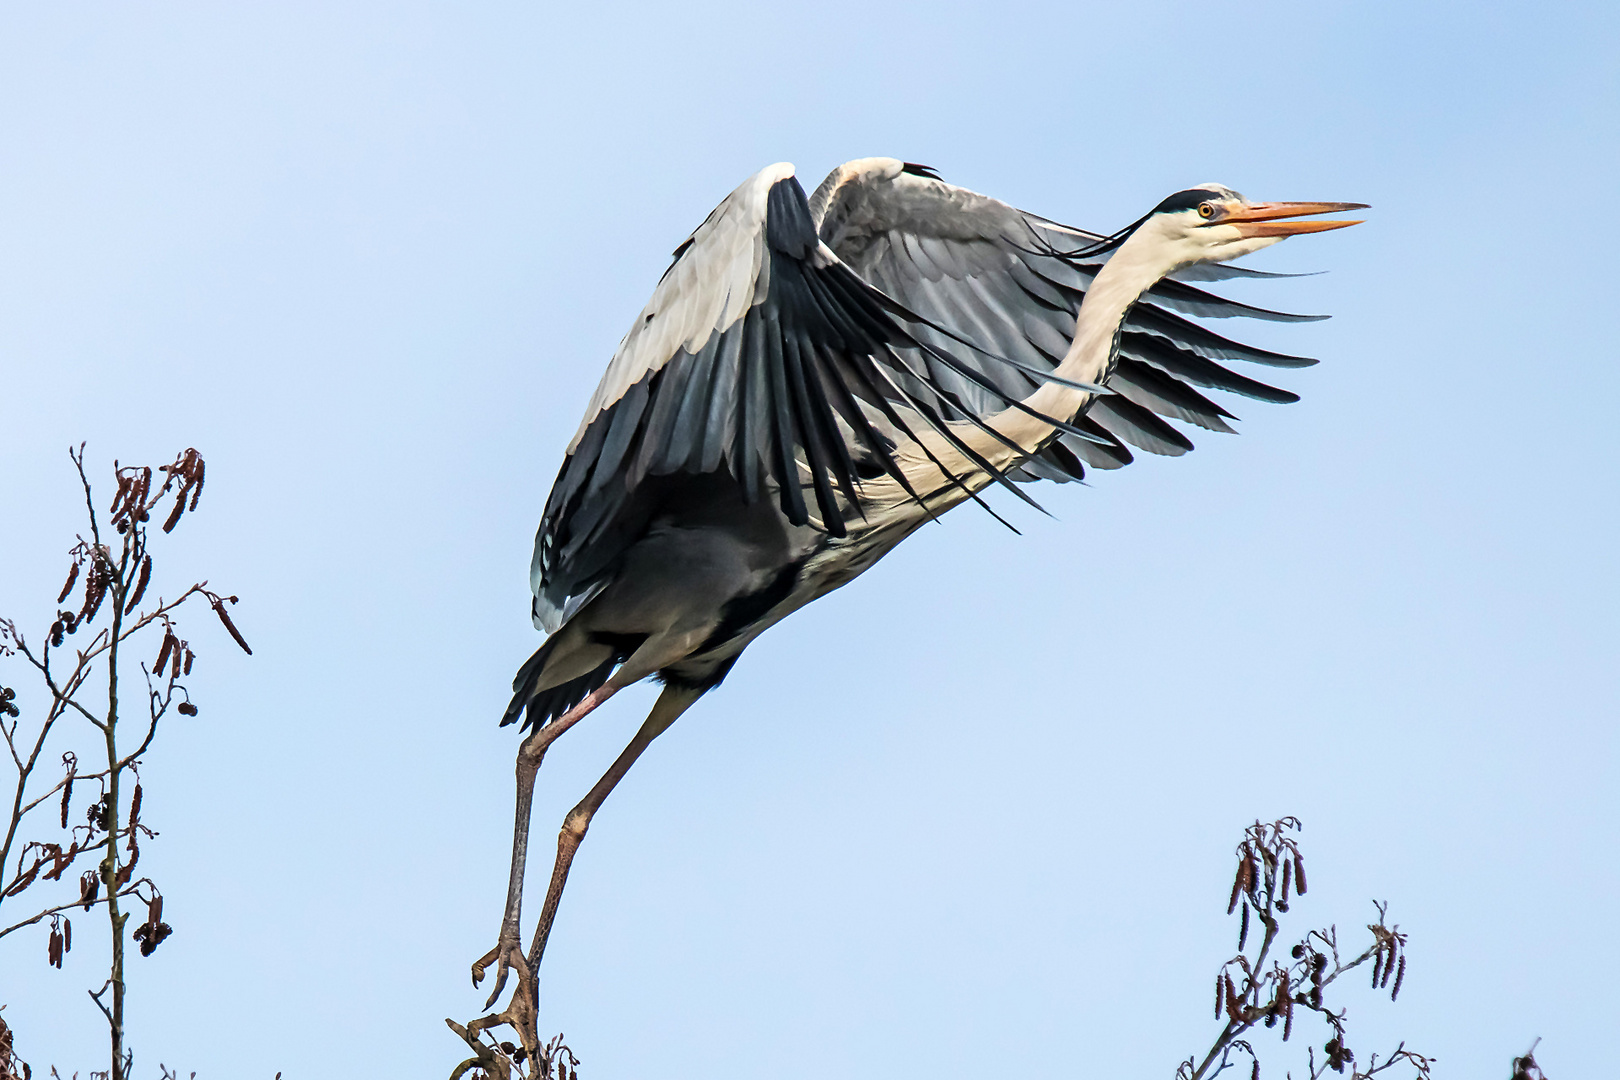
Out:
{"x": 111, "y": 577}
{"x": 1254, "y": 991}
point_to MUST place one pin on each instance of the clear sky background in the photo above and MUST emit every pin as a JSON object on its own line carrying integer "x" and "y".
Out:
{"x": 973, "y": 815}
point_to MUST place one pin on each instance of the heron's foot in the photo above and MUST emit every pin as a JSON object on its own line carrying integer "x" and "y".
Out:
{"x": 508, "y": 955}
{"x": 521, "y": 1011}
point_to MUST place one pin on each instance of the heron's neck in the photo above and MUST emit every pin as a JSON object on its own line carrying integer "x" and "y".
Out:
{"x": 1133, "y": 269}
{"x": 1116, "y": 288}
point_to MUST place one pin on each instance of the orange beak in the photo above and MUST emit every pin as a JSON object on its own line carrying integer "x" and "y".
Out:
{"x": 1261, "y": 219}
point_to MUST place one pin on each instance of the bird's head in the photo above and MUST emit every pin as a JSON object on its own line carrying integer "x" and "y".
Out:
{"x": 1213, "y": 223}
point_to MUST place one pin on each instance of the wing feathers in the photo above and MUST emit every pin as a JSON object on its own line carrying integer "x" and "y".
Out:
{"x": 794, "y": 343}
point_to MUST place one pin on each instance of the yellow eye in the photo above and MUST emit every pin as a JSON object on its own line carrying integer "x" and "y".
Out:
{"x": 1206, "y": 210}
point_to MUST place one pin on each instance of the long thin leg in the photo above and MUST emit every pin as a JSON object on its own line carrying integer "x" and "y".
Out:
{"x": 671, "y": 703}
{"x": 508, "y": 948}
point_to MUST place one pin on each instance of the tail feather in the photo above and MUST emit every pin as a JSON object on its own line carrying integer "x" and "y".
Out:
{"x": 540, "y": 707}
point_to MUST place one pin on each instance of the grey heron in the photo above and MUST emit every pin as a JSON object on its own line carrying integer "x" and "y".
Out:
{"x": 815, "y": 378}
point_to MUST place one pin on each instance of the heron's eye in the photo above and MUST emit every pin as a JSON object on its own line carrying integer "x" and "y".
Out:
{"x": 1206, "y": 210}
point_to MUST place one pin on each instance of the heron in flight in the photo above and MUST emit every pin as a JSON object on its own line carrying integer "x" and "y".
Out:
{"x": 814, "y": 379}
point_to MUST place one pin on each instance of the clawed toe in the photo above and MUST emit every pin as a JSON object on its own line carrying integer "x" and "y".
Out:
{"x": 508, "y": 956}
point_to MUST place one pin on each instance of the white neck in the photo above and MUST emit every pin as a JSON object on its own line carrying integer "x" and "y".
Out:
{"x": 1134, "y": 268}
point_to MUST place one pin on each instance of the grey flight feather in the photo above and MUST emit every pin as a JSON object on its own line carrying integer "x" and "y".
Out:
{"x": 797, "y": 343}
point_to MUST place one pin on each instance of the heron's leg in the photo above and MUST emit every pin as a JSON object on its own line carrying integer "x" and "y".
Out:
{"x": 508, "y": 950}
{"x": 670, "y": 705}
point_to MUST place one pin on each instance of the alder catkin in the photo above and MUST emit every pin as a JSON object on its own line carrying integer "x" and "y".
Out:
{"x": 21, "y": 883}
{"x": 1243, "y": 931}
{"x": 219, "y": 609}
{"x": 1400, "y": 973}
{"x": 95, "y": 587}
{"x": 73, "y": 576}
{"x": 1299, "y": 873}
{"x": 140, "y": 585}
{"x": 174, "y": 515}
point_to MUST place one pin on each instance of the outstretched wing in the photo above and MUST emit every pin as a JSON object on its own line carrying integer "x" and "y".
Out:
{"x": 763, "y": 357}
{"x": 975, "y": 268}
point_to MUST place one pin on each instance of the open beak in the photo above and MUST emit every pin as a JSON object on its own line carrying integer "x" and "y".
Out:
{"x": 1261, "y": 219}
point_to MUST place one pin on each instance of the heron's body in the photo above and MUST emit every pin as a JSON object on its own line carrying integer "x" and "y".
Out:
{"x": 814, "y": 379}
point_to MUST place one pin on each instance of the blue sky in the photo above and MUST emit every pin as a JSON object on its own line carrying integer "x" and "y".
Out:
{"x": 974, "y": 813}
